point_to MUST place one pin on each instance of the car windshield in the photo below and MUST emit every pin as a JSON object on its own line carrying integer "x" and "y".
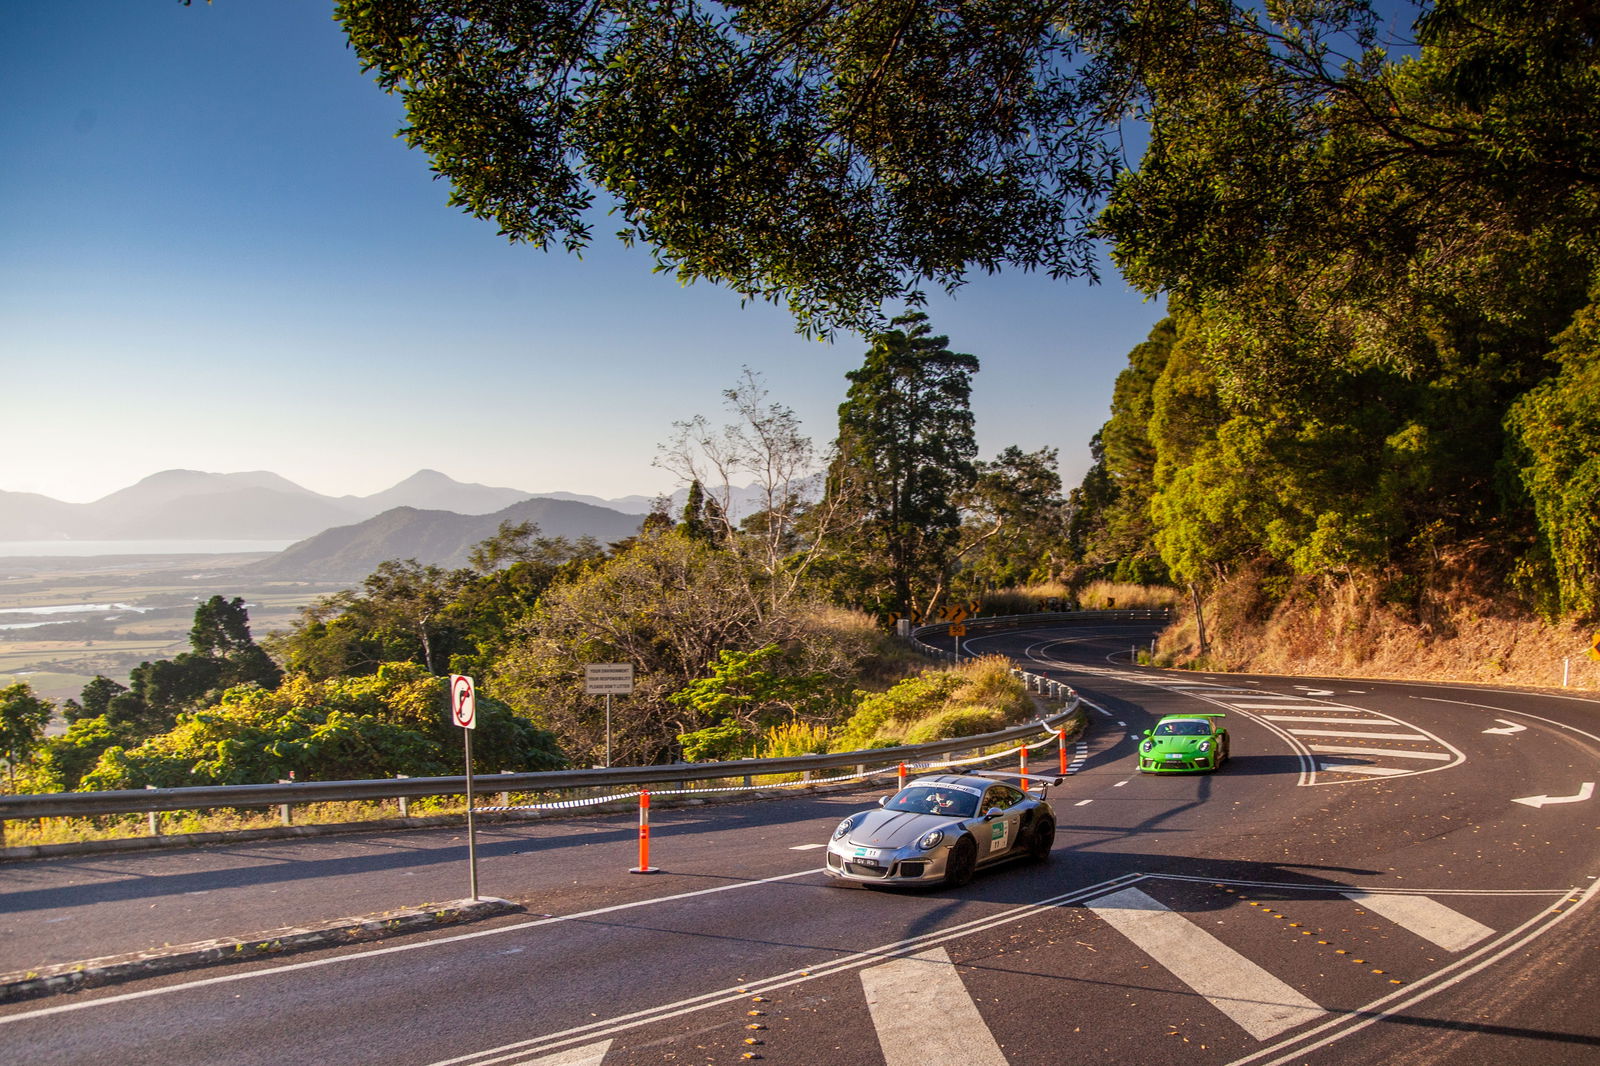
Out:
{"x": 933, "y": 799}
{"x": 1183, "y": 729}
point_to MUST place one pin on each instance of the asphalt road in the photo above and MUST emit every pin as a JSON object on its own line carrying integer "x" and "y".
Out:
{"x": 1383, "y": 872}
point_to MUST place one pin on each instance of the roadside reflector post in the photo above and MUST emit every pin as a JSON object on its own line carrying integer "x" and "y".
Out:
{"x": 1061, "y": 740}
{"x": 283, "y": 808}
{"x": 405, "y": 801}
{"x": 902, "y": 775}
{"x": 1024, "y": 767}
{"x": 644, "y": 866}
{"x": 155, "y": 820}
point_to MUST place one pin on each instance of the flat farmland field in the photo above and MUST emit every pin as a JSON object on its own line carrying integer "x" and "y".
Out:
{"x": 115, "y": 612}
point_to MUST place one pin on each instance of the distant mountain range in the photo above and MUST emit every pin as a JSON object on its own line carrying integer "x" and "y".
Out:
{"x": 442, "y": 538}
{"x": 258, "y": 505}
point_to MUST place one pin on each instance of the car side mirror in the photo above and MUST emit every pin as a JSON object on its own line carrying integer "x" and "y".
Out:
{"x": 1149, "y": 732}
{"x": 883, "y": 801}
{"x": 992, "y": 813}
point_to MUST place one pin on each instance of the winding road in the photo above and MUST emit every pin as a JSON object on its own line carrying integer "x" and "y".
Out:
{"x": 1383, "y": 872}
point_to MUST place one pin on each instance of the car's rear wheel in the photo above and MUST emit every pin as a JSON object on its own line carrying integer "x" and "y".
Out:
{"x": 1042, "y": 840}
{"x": 961, "y": 863}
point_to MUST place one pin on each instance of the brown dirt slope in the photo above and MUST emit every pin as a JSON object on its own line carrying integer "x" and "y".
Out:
{"x": 1347, "y": 630}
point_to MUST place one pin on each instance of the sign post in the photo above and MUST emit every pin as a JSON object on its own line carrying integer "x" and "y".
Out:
{"x": 464, "y": 712}
{"x": 608, "y": 679}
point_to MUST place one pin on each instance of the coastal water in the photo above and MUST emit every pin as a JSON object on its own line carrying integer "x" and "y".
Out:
{"x": 20, "y": 549}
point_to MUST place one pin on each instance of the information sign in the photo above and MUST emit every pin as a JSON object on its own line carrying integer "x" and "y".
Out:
{"x": 608, "y": 679}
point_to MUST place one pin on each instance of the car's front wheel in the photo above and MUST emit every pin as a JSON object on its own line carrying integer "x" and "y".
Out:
{"x": 961, "y": 863}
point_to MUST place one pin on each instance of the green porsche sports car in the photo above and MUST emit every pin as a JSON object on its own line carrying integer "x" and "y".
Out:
{"x": 1184, "y": 743}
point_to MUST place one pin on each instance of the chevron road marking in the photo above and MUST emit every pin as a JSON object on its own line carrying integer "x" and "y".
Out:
{"x": 1308, "y": 718}
{"x": 1334, "y": 749}
{"x": 1262, "y": 1005}
{"x": 1359, "y": 768}
{"x": 925, "y": 1016}
{"x": 1352, "y": 734}
{"x": 1427, "y": 918}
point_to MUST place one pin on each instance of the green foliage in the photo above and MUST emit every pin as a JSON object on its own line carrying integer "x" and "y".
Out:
{"x": 972, "y": 698}
{"x": 739, "y": 696}
{"x": 395, "y": 721}
{"x": 454, "y": 621}
{"x": 716, "y": 743}
{"x": 671, "y": 605}
{"x": 61, "y": 762}
{"x": 1556, "y": 455}
{"x": 904, "y": 459}
{"x": 23, "y": 717}
{"x": 1015, "y": 522}
{"x": 834, "y": 157}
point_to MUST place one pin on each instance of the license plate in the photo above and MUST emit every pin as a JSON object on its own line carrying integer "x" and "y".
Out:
{"x": 1174, "y": 756}
{"x": 874, "y": 863}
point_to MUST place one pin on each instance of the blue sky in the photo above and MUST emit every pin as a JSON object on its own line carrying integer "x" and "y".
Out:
{"x": 218, "y": 256}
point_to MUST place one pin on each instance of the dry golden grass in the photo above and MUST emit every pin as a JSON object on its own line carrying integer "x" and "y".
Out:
{"x": 1347, "y": 630}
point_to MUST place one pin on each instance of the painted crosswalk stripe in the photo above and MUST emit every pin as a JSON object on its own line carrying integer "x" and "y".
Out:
{"x": 1334, "y": 749}
{"x": 1258, "y": 1002}
{"x": 1429, "y": 919}
{"x": 588, "y": 1055}
{"x": 925, "y": 1016}
{"x": 1353, "y": 735}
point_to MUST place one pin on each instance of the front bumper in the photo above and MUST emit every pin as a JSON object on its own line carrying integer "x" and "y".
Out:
{"x": 903, "y": 866}
{"x": 1190, "y": 762}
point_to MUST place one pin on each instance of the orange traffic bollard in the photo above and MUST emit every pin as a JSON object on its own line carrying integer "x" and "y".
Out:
{"x": 1061, "y": 735}
{"x": 902, "y": 775}
{"x": 644, "y": 866}
{"x": 1024, "y": 768}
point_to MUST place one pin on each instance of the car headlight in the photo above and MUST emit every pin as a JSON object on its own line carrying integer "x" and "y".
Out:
{"x": 931, "y": 839}
{"x": 1205, "y": 745}
{"x": 1148, "y": 746}
{"x": 844, "y": 828}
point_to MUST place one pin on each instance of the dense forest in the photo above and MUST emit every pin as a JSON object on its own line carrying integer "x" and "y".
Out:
{"x": 1377, "y": 234}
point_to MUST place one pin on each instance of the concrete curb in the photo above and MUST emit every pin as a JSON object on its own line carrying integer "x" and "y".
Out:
{"x": 72, "y": 976}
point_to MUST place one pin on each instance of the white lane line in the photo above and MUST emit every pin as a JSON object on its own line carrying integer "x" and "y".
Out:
{"x": 589, "y": 1055}
{"x": 807, "y": 847}
{"x": 1431, "y": 920}
{"x": 1119, "y": 784}
{"x": 1353, "y": 735}
{"x": 1282, "y": 706}
{"x": 1358, "y": 768}
{"x": 1334, "y": 749}
{"x": 925, "y": 1015}
{"x": 1083, "y": 803}
{"x": 1261, "y": 1004}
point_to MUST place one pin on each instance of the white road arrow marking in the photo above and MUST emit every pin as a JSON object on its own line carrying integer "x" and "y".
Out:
{"x": 1586, "y": 792}
{"x": 1510, "y": 727}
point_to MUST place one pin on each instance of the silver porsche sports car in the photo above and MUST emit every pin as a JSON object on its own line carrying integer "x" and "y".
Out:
{"x": 941, "y": 829}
